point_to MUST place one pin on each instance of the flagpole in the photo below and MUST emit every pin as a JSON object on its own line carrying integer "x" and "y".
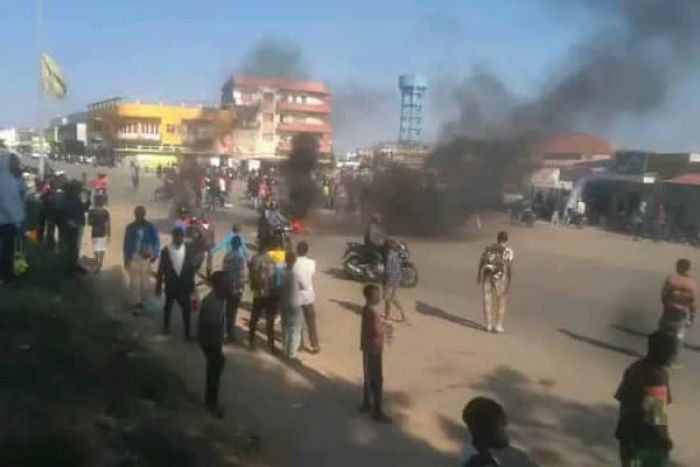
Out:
{"x": 42, "y": 101}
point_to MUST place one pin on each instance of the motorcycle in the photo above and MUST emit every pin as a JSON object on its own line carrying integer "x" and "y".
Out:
{"x": 280, "y": 235}
{"x": 524, "y": 215}
{"x": 362, "y": 263}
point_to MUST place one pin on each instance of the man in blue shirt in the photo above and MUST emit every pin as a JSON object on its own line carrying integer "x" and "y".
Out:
{"x": 141, "y": 248}
{"x": 225, "y": 243}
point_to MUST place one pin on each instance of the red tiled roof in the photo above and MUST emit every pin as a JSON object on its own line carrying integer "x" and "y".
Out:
{"x": 573, "y": 143}
{"x": 686, "y": 179}
{"x": 281, "y": 83}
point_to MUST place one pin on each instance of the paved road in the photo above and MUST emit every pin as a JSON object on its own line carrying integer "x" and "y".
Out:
{"x": 580, "y": 304}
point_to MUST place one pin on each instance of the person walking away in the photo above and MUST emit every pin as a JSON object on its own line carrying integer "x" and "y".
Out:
{"x": 210, "y": 333}
{"x": 71, "y": 220}
{"x": 660, "y": 222}
{"x": 327, "y": 194}
{"x": 55, "y": 199}
{"x": 176, "y": 271}
{"x": 12, "y": 212}
{"x": 99, "y": 221}
{"x": 305, "y": 268}
{"x": 644, "y": 394}
{"x": 225, "y": 243}
{"x": 33, "y": 209}
{"x": 495, "y": 274}
{"x": 290, "y": 304}
{"x": 234, "y": 266}
{"x": 262, "y": 274}
{"x": 141, "y": 248}
{"x": 581, "y": 208}
{"x": 134, "y": 173}
{"x": 392, "y": 280}
{"x": 487, "y": 424}
{"x": 372, "y": 334}
{"x": 678, "y": 299}
{"x": 638, "y": 220}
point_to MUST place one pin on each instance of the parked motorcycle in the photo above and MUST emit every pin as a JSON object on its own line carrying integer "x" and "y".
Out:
{"x": 525, "y": 216}
{"x": 362, "y": 263}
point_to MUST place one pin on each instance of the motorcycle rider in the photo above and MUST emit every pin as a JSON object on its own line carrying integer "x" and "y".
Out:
{"x": 271, "y": 219}
{"x": 375, "y": 237}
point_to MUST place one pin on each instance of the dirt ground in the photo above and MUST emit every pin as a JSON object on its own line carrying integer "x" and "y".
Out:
{"x": 581, "y": 303}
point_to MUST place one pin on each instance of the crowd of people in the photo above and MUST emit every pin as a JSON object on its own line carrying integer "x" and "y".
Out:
{"x": 638, "y": 216}
{"x": 281, "y": 279}
{"x": 54, "y": 212}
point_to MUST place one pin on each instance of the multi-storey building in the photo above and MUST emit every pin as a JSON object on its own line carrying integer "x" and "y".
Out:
{"x": 21, "y": 140}
{"x": 271, "y": 111}
{"x": 67, "y": 134}
{"x": 157, "y": 130}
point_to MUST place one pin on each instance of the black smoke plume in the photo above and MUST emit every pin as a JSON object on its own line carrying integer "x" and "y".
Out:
{"x": 275, "y": 58}
{"x": 626, "y": 67}
{"x": 299, "y": 171}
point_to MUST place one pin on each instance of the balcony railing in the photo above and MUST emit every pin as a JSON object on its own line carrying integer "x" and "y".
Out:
{"x": 286, "y": 148}
{"x": 304, "y": 128}
{"x": 139, "y": 136}
{"x": 284, "y": 106}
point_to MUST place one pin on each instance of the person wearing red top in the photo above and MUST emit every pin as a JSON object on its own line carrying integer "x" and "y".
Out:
{"x": 101, "y": 182}
{"x": 372, "y": 345}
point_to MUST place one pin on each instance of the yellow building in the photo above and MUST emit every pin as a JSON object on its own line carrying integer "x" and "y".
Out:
{"x": 158, "y": 133}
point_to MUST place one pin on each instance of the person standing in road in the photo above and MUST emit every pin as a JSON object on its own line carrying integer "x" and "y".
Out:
{"x": 678, "y": 299}
{"x": 290, "y": 305}
{"x": 373, "y": 329}
{"x": 234, "y": 266}
{"x": 98, "y": 219}
{"x": 262, "y": 277}
{"x": 210, "y": 333}
{"x": 176, "y": 271}
{"x": 134, "y": 173}
{"x": 644, "y": 395}
{"x": 305, "y": 268}
{"x": 392, "y": 280}
{"x": 141, "y": 248}
{"x": 495, "y": 275}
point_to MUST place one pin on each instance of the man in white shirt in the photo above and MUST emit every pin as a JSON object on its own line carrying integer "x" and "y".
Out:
{"x": 305, "y": 269}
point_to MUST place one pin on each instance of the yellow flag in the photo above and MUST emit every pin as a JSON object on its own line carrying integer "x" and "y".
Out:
{"x": 52, "y": 81}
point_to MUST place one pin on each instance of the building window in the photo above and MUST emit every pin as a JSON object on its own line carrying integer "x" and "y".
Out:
{"x": 269, "y": 117}
{"x": 269, "y": 97}
{"x": 170, "y": 128}
{"x": 268, "y": 137}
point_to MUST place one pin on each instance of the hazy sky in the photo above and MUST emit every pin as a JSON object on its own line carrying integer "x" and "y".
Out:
{"x": 183, "y": 50}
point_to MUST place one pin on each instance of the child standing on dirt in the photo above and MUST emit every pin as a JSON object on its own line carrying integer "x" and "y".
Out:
{"x": 210, "y": 332}
{"x": 98, "y": 218}
{"x": 372, "y": 345}
{"x": 486, "y": 421}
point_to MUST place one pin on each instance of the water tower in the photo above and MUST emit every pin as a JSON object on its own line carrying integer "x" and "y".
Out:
{"x": 413, "y": 91}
